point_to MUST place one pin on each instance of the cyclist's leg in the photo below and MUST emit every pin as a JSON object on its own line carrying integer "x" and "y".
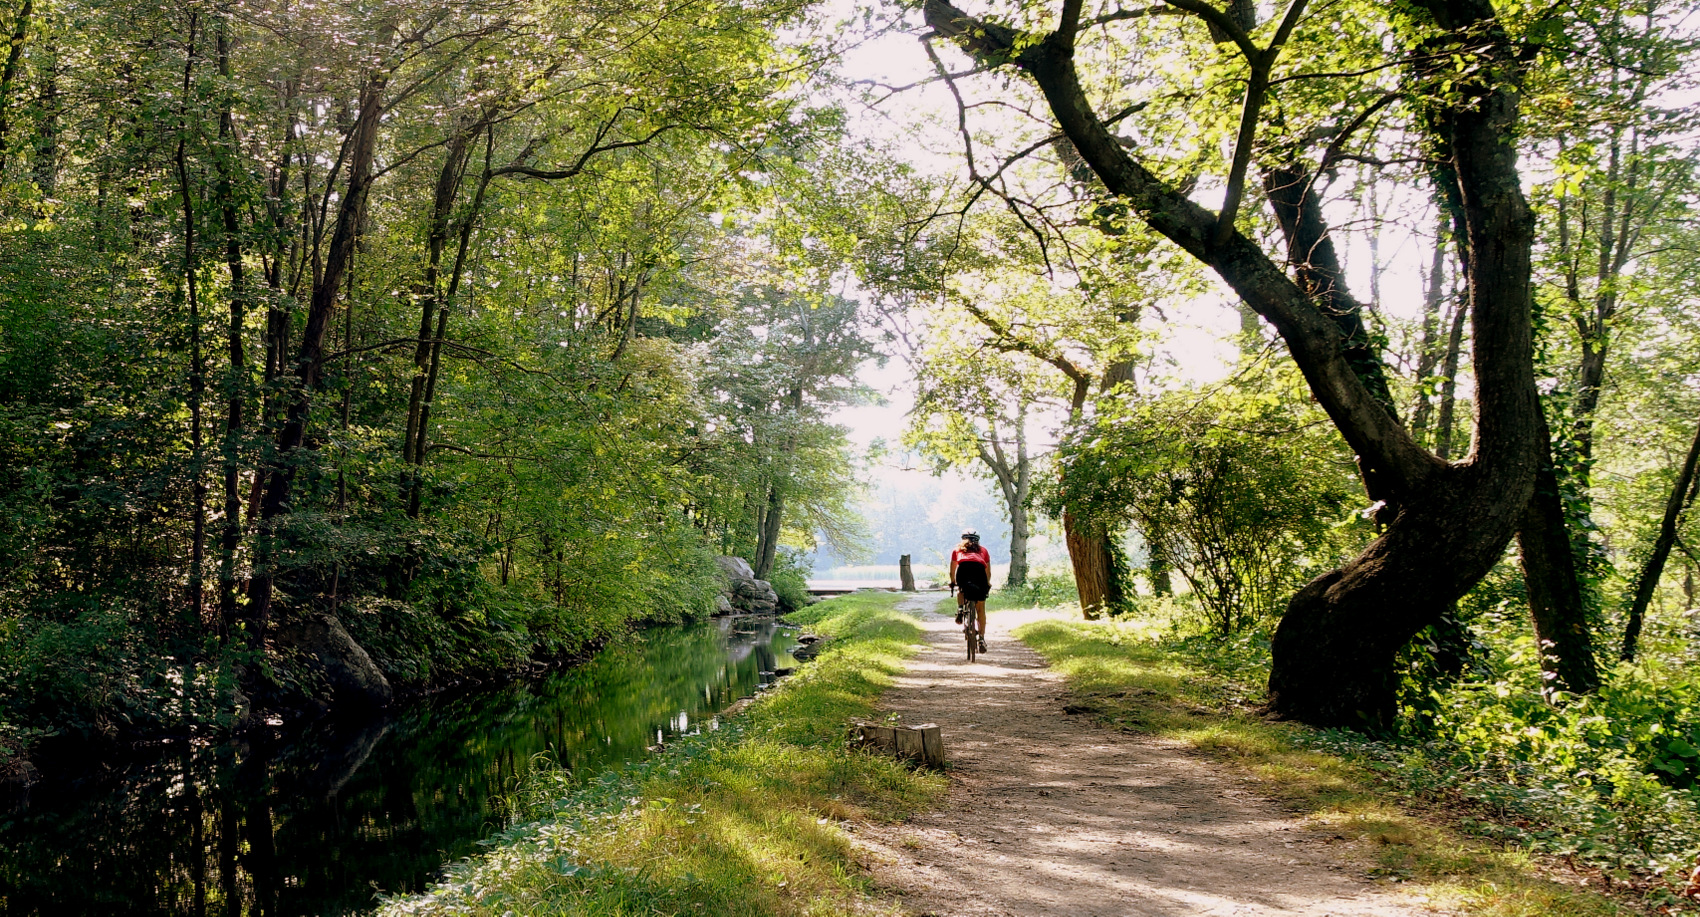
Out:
{"x": 980, "y": 615}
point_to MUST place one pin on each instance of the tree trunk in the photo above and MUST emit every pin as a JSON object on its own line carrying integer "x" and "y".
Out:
{"x": 1556, "y": 603}
{"x": 1020, "y": 529}
{"x": 906, "y": 573}
{"x": 197, "y": 361}
{"x": 1157, "y": 562}
{"x": 1095, "y": 575}
{"x": 9, "y": 75}
{"x": 236, "y": 382}
{"x": 1428, "y": 353}
{"x": 1681, "y": 497}
{"x": 310, "y": 357}
{"x": 1015, "y": 485}
{"x": 422, "y": 434}
{"x": 429, "y": 295}
{"x": 1334, "y": 651}
{"x": 768, "y": 547}
{"x": 773, "y": 520}
{"x": 1445, "y": 418}
{"x": 47, "y": 134}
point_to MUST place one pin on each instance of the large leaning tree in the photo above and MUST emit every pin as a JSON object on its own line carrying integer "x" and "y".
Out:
{"x": 1451, "y": 70}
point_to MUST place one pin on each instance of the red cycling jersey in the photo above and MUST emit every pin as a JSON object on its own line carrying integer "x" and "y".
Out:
{"x": 977, "y": 554}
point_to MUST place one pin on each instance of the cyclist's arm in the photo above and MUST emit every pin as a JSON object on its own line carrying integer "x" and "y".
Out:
{"x": 953, "y": 568}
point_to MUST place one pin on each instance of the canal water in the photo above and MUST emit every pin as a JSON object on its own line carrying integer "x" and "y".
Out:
{"x": 318, "y": 824}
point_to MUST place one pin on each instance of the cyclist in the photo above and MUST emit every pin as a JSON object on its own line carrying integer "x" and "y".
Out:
{"x": 971, "y": 572}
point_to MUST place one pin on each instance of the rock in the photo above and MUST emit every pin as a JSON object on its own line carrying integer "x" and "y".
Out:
{"x": 736, "y": 568}
{"x": 325, "y": 646}
{"x": 722, "y": 605}
{"x": 809, "y": 650}
{"x": 744, "y": 593}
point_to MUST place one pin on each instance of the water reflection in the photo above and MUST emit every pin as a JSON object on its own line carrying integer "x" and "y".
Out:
{"x": 316, "y": 825}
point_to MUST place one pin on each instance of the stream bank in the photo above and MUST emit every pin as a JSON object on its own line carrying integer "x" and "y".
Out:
{"x": 747, "y": 820}
{"x": 318, "y": 820}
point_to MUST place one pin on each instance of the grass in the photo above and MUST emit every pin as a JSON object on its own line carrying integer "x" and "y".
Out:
{"x": 740, "y": 821}
{"x": 1130, "y": 675}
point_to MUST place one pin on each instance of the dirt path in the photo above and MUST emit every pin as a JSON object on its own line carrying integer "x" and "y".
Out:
{"x": 1051, "y": 815}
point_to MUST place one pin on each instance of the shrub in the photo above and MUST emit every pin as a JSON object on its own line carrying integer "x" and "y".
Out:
{"x": 790, "y": 578}
{"x": 1042, "y": 590}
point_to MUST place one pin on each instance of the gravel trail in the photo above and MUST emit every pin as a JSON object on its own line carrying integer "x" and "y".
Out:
{"x": 1049, "y": 814}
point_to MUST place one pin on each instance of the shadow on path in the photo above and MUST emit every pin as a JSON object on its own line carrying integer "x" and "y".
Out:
{"x": 1049, "y": 814}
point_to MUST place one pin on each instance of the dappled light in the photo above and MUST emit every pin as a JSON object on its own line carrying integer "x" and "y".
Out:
{"x": 425, "y": 424}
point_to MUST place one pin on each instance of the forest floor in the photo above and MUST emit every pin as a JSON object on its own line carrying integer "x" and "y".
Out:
{"x": 1050, "y": 814}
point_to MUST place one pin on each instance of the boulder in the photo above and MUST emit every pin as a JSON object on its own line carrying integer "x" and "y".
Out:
{"x": 744, "y": 593}
{"x": 736, "y": 568}
{"x": 346, "y": 669}
{"x": 722, "y": 605}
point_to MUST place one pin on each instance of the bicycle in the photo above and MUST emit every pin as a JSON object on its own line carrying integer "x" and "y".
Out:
{"x": 966, "y": 617}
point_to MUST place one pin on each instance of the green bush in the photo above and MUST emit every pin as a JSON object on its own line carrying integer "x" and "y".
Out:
{"x": 84, "y": 667}
{"x": 790, "y": 579}
{"x": 1042, "y": 590}
{"x": 1243, "y": 493}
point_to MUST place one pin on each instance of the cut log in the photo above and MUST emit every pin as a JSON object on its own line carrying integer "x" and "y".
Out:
{"x": 906, "y": 573}
{"x": 923, "y": 744}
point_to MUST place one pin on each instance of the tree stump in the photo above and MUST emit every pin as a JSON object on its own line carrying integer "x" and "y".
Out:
{"x": 922, "y": 744}
{"x": 907, "y": 573}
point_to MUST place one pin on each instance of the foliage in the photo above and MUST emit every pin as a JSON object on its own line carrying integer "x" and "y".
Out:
{"x": 501, "y": 426}
{"x": 1247, "y": 496}
{"x": 1042, "y": 590}
{"x": 790, "y": 579}
{"x": 743, "y": 819}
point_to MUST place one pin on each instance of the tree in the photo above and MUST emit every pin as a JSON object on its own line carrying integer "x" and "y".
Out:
{"x": 378, "y": 310}
{"x": 973, "y": 410}
{"x": 1446, "y": 524}
{"x": 1225, "y": 484}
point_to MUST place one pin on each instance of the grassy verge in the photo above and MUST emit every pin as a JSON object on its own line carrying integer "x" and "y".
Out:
{"x": 1129, "y": 675}
{"x": 739, "y": 821}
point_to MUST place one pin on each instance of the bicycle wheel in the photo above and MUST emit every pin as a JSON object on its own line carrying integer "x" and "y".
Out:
{"x": 973, "y": 637}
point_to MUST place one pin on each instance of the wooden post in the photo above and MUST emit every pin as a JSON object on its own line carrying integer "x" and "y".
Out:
{"x": 907, "y": 573}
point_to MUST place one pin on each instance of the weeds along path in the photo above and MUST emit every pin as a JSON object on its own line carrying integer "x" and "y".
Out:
{"x": 1051, "y": 815}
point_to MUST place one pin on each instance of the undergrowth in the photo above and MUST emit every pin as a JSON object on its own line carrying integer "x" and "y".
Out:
{"x": 1463, "y": 813}
{"x": 741, "y": 820}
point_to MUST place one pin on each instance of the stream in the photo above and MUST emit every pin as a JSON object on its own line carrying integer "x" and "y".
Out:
{"x": 319, "y": 822}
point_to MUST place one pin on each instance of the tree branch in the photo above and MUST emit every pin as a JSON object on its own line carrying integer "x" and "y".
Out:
{"x": 1223, "y": 21}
